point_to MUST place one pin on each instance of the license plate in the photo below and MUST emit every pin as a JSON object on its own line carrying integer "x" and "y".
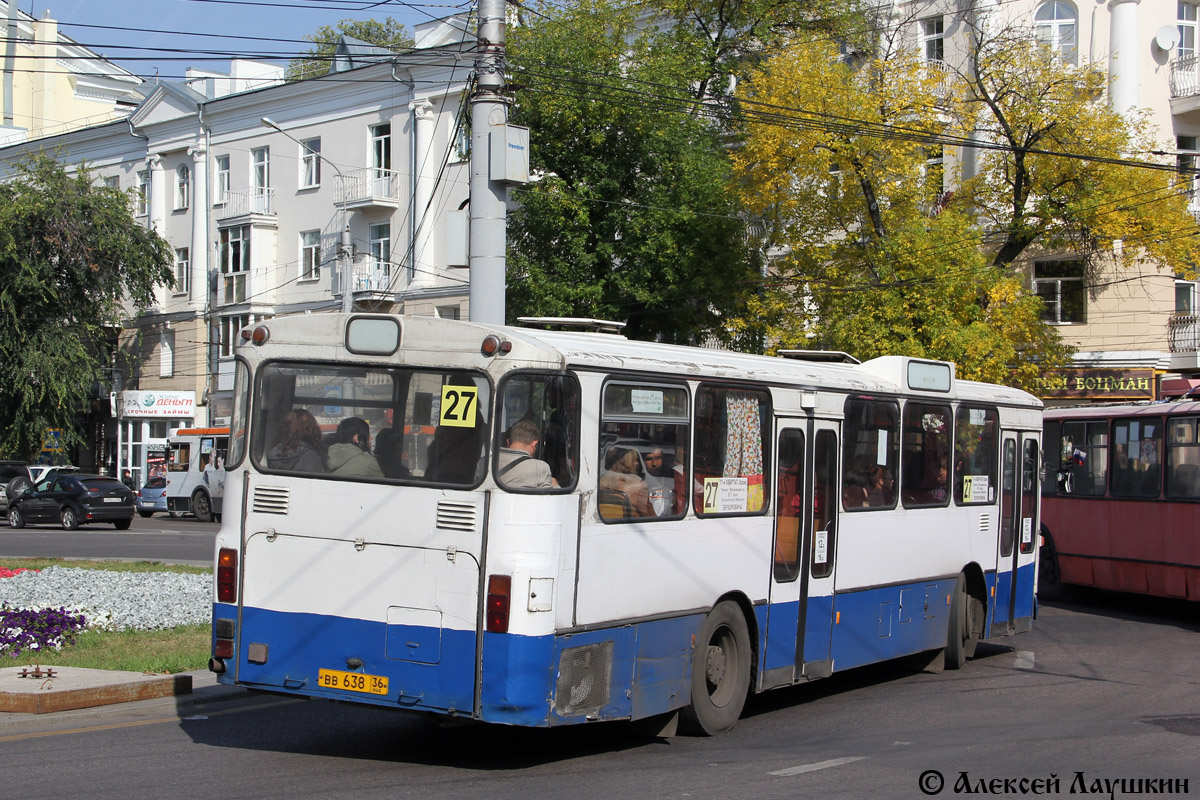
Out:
{"x": 352, "y": 681}
{"x": 112, "y": 499}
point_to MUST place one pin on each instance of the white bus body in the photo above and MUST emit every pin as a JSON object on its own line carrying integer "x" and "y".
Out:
{"x": 803, "y": 525}
{"x": 196, "y": 471}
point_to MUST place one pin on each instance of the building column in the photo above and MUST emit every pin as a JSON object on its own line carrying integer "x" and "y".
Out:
{"x": 158, "y": 194}
{"x": 1123, "y": 56}
{"x": 198, "y": 252}
{"x": 423, "y": 220}
{"x": 45, "y": 75}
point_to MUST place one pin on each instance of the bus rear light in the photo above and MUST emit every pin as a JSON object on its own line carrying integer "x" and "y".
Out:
{"x": 227, "y": 575}
{"x": 493, "y": 344}
{"x": 223, "y": 648}
{"x": 496, "y": 607}
{"x": 260, "y": 335}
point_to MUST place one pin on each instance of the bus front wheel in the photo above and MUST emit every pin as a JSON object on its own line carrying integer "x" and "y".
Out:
{"x": 720, "y": 672}
{"x": 202, "y": 507}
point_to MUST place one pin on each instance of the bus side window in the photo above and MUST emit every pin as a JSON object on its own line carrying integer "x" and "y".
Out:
{"x": 1183, "y": 458}
{"x": 731, "y": 450}
{"x": 871, "y": 452}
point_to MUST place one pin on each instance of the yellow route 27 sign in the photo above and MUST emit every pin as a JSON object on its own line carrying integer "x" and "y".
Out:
{"x": 459, "y": 404}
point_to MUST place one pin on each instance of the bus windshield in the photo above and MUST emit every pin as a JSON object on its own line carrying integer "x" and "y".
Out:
{"x": 372, "y": 423}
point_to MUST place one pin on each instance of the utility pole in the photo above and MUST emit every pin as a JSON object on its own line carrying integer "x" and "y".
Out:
{"x": 489, "y": 108}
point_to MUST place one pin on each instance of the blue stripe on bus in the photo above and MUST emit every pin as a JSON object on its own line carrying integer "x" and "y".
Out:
{"x": 649, "y": 672}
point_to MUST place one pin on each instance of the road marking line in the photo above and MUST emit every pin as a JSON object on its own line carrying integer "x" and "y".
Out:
{"x": 1025, "y": 659}
{"x": 833, "y": 762}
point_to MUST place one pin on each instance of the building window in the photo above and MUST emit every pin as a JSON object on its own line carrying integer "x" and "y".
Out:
{"x": 183, "y": 271}
{"x": 166, "y": 354}
{"x": 222, "y": 185}
{"x": 1186, "y": 164}
{"x": 933, "y": 41}
{"x": 310, "y": 163}
{"x": 235, "y": 262}
{"x": 230, "y": 327}
{"x": 112, "y": 182}
{"x": 934, "y": 177}
{"x": 381, "y": 248}
{"x": 183, "y": 186}
{"x": 381, "y": 146}
{"x": 1185, "y": 298}
{"x": 310, "y": 255}
{"x": 1054, "y": 26}
{"x": 449, "y": 312}
{"x": 143, "y": 193}
{"x": 1060, "y": 285}
{"x": 1187, "y": 30}
{"x": 260, "y": 160}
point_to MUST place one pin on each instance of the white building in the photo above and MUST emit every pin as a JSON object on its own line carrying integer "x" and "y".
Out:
{"x": 253, "y": 181}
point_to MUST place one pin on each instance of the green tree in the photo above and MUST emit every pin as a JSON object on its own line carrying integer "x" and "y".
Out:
{"x": 632, "y": 220}
{"x": 70, "y": 254}
{"x": 315, "y": 61}
{"x": 845, "y": 158}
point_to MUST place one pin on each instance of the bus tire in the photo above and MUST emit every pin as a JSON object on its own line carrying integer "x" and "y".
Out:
{"x": 1050, "y": 585}
{"x": 957, "y": 633}
{"x": 720, "y": 672}
{"x": 201, "y": 506}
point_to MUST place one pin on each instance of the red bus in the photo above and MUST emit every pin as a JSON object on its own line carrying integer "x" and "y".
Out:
{"x": 1121, "y": 498}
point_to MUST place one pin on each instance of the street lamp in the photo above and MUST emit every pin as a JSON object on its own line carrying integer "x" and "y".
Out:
{"x": 344, "y": 250}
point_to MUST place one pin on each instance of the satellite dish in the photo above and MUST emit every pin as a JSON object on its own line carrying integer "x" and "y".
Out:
{"x": 1167, "y": 37}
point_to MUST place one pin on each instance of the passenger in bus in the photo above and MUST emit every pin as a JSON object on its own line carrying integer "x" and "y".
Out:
{"x": 518, "y": 466}
{"x": 661, "y": 482}
{"x": 622, "y": 474}
{"x": 351, "y": 454}
{"x": 878, "y": 493}
{"x": 298, "y": 446}
{"x": 389, "y": 451}
{"x": 854, "y": 494}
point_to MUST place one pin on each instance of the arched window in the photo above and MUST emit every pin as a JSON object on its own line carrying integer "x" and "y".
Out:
{"x": 183, "y": 184}
{"x": 1055, "y": 25}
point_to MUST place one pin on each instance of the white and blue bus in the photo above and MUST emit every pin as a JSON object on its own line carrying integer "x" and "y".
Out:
{"x": 686, "y": 526}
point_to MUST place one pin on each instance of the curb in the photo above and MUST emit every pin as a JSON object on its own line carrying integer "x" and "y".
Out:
{"x": 50, "y": 689}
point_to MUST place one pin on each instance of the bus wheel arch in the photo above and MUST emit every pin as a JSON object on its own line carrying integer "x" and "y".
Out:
{"x": 723, "y": 661}
{"x": 202, "y": 505}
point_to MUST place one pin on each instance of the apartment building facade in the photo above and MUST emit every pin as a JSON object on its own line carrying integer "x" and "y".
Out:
{"x": 1137, "y": 332}
{"x": 288, "y": 198}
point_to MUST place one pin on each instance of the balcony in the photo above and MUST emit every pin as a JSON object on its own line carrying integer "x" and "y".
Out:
{"x": 1185, "y": 76}
{"x": 370, "y": 188}
{"x": 255, "y": 202}
{"x": 376, "y": 280}
{"x": 1183, "y": 338}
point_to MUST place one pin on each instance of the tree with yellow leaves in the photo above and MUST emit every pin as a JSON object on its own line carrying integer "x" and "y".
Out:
{"x": 843, "y": 156}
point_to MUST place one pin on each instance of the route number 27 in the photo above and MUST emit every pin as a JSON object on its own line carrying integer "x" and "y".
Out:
{"x": 458, "y": 406}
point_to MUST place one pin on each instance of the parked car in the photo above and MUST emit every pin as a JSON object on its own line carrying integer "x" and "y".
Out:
{"x": 73, "y": 499}
{"x": 13, "y": 476}
{"x": 152, "y": 497}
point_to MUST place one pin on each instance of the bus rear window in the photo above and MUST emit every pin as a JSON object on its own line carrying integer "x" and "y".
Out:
{"x": 371, "y": 423}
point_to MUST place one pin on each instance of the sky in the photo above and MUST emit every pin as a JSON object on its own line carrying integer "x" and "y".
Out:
{"x": 170, "y": 35}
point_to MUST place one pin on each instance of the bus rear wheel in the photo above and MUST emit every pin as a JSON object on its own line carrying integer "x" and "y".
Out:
{"x": 958, "y": 634}
{"x": 202, "y": 507}
{"x": 720, "y": 672}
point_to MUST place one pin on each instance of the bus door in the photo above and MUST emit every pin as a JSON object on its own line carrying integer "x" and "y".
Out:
{"x": 802, "y": 566}
{"x": 1012, "y": 610}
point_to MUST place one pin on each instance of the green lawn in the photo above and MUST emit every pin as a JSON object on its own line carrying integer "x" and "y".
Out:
{"x": 175, "y": 650}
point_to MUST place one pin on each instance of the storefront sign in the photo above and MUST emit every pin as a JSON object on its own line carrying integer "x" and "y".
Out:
{"x": 162, "y": 405}
{"x": 1098, "y": 384}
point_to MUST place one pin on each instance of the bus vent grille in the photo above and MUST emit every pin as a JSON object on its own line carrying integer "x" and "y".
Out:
{"x": 584, "y": 678}
{"x": 985, "y": 524}
{"x": 456, "y": 516}
{"x": 271, "y": 499}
